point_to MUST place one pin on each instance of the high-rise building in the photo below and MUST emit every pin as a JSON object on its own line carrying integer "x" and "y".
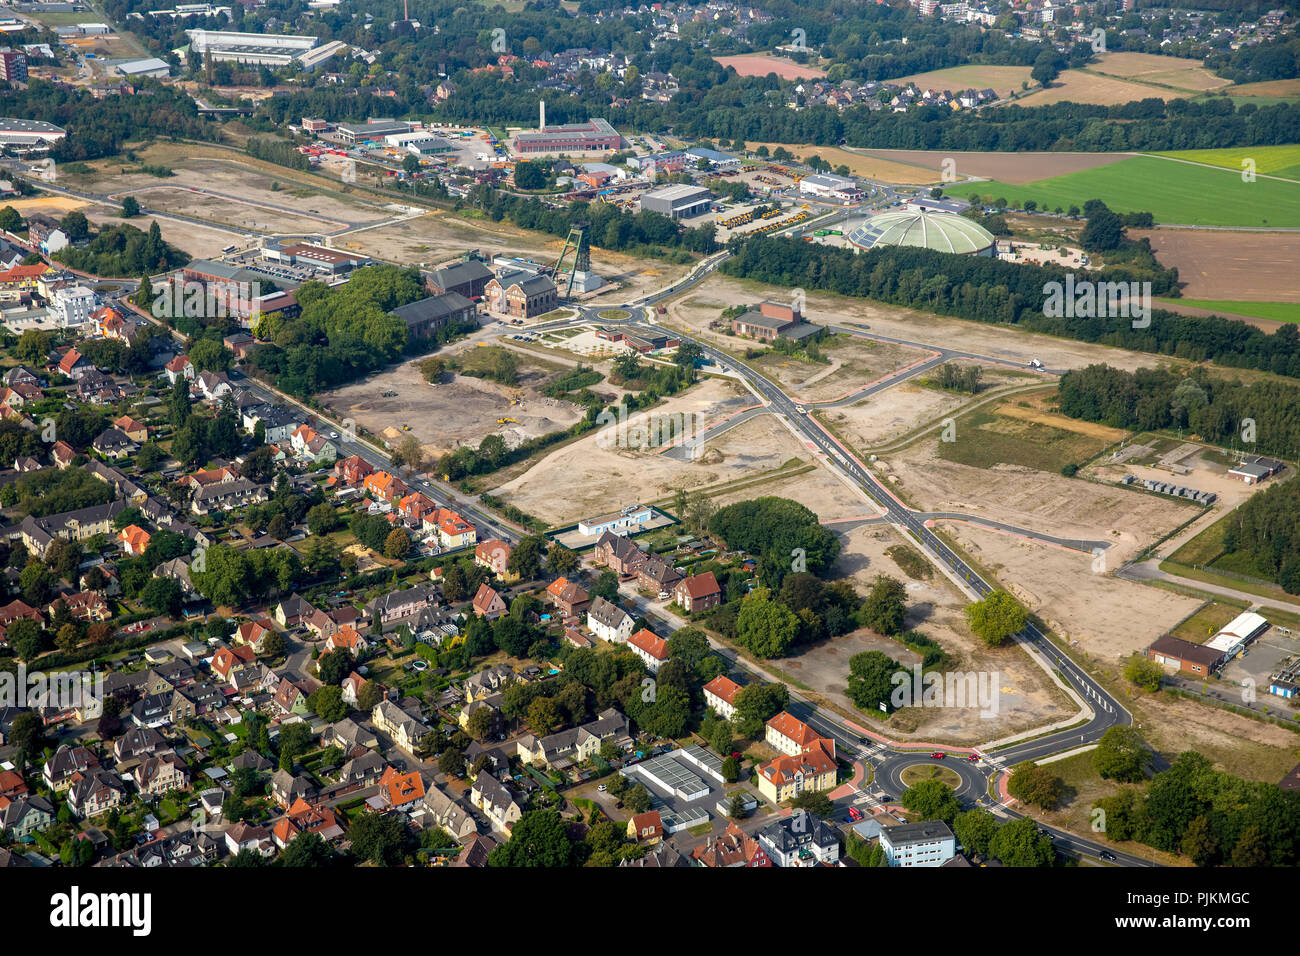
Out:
{"x": 13, "y": 65}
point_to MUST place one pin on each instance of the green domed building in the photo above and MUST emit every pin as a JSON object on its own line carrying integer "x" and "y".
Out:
{"x": 940, "y": 231}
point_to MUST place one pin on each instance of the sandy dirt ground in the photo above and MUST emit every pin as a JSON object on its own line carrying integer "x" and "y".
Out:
{"x": 460, "y": 411}
{"x": 756, "y": 64}
{"x": 594, "y": 475}
{"x": 1001, "y": 79}
{"x": 222, "y": 209}
{"x": 1173, "y": 71}
{"x": 230, "y": 177}
{"x": 1026, "y": 696}
{"x": 1013, "y": 168}
{"x": 897, "y": 411}
{"x": 1061, "y": 587}
{"x": 716, "y": 293}
{"x": 1204, "y": 476}
{"x": 200, "y": 242}
{"x": 1037, "y": 500}
{"x": 1079, "y": 86}
{"x": 818, "y": 490}
{"x": 1248, "y": 266}
{"x": 869, "y": 164}
{"x": 854, "y": 364}
{"x": 1248, "y": 748}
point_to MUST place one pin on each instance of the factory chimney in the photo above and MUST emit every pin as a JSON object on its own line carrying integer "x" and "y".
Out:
{"x": 541, "y": 120}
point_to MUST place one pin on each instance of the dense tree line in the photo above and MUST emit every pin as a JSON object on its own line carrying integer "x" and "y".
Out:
{"x": 1213, "y": 408}
{"x": 1264, "y": 531}
{"x": 341, "y": 334}
{"x": 781, "y": 534}
{"x": 277, "y": 151}
{"x": 124, "y": 250}
{"x": 1208, "y": 815}
{"x": 989, "y": 290}
{"x": 99, "y": 127}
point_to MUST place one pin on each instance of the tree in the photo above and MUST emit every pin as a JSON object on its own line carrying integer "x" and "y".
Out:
{"x": 885, "y": 607}
{"x": 26, "y": 639}
{"x": 130, "y": 207}
{"x": 322, "y": 519}
{"x": 1121, "y": 755}
{"x": 28, "y": 732}
{"x": 1035, "y": 785}
{"x": 1144, "y": 672}
{"x": 481, "y": 724}
{"x": 765, "y": 627}
{"x": 526, "y": 558}
{"x": 410, "y": 453}
{"x": 996, "y": 617}
{"x": 722, "y": 738}
{"x": 1199, "y": 843}
{"x": 334, "y": 666}
{"x": 871, "y": 680}
{"x": 75, "y": 225}
{"x": 295, "y": 740}
{"x": 397, "y": 544}
{"x": 932, "y": 800}
{"x": 326, "y": 702}
{"x": 815, "y": 802}
{"x": 637, "y": 799}
{"x": 1019, "y": 843}
{"x": 561, "y": 560}
{"x": 543, "y": 715}
{"x": 730, "y": 769}
{"x": 10, "y": 219}
{"x": 33, "y": 347}
{"x": 538, "y": 839}
{"x": 530, "y": 175}
{"x": 368, "y": 696}
{"x": 378, "y": 838}
{"x": 162, "y": 596}
{"x": 273, "y": 645}
{"x": 410, "y": 164}
{"x": 736, "y": 809}
{"x": 974, "y": 830}
{"x": 307, "y": 850}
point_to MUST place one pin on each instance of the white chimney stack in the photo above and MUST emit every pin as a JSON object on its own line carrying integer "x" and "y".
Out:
{"x": 541, "y": 121}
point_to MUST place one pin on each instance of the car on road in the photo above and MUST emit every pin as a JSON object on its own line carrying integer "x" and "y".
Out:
{"x": 334, "y": 436}
{"x": 855, "y": 813}
{"x": 938, "y": 755}
{"x": 602, "y": 788}
{"x": 973, "y": 758}
{"x": 1107, "y": 856}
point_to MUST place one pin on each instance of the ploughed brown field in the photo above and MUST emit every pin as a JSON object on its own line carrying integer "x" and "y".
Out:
{"x": 1223, "y": 265}
{"x": 752, "y": 64}
{"x": 1014, "y": 168}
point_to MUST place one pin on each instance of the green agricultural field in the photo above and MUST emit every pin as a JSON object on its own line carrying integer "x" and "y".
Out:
{"x": 1274, "y": 311}
{"x": 1177, "y": 193}
{"x": 1281, "y": 161}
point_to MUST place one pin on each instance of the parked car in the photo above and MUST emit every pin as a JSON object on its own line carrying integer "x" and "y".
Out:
{"x": 602, "y": 788}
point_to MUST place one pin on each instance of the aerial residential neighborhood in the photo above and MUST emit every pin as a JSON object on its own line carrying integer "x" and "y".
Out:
{"x": 475, "y": 437}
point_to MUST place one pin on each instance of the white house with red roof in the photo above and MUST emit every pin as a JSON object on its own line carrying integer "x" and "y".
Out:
{"x": 650, "y": 648}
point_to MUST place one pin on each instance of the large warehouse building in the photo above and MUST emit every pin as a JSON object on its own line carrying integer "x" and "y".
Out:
{"x": 260, "y": 49}
{"x": 593, "y": 136}
{"x": 940, "y": 231}
{"x": 679, "y": 202}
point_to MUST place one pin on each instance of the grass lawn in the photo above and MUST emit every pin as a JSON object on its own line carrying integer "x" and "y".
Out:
{"x": 1273, "y": 160}
{"x": 1274, "y": 311}
{"x": 1205, "y": 547}
{"x": 985, "y": 439}
{"x": 1206, "y": 622}
{"x": 917, "y": 772}
{"x": 1172, "y": 192}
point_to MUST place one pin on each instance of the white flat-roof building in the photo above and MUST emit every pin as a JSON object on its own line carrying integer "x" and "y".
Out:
{"x": 263, "y": 49}
{"x": 26, "y": 132}
{"x": 830, "y": 187}
{"x": 1237, "y": 633}
{"x": 918, "y": 844}
{"x": 147, "y": 67}
{"x": 681, "y": 201}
